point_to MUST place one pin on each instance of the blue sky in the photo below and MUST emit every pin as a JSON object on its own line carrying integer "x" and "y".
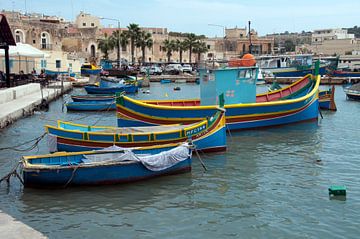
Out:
{"x": 196, "y": 15}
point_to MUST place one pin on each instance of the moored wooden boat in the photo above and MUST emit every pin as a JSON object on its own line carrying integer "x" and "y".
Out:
{"x": 353, "y": 92}
{"x": 344, "y": 73}
{"x": 91, "y": 106}
{"x": 295, "y": 103}
{"x": 90, "y": 69}
{"x": 92, "y": 97}
{"x": 109, "y": 166}
{"x": 111, "y": 90}
{"x": 327, "y": 99}
{"x": 208, "y": 135}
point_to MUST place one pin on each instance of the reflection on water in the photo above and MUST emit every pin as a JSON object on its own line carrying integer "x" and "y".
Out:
{"x": 270, "y": 183}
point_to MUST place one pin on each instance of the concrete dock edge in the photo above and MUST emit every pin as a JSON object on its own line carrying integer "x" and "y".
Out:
{"x": 10, "y": 228}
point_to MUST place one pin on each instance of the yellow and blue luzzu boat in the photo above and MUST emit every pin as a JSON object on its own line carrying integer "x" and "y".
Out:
{"x": 208, "y": 135}
{"x": 295, "y": 103}
{"x": 110, "y": 166}
{"x": 327, "y": 99}
{"x": 90, "y": 69}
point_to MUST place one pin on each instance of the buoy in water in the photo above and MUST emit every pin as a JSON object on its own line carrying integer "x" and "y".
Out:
{"x": 177, "y": 88}
{"x": 337, "y": 191}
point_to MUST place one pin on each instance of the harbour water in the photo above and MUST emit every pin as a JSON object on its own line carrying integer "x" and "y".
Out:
{"x": 271, "y": 183}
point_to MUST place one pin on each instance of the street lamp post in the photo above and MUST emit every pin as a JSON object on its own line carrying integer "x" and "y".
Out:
{"x": 223, "y": 27}
{"x": 119, "y": 43}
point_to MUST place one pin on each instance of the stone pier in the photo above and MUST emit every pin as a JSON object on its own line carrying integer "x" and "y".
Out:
{"x": 21, "y": 101}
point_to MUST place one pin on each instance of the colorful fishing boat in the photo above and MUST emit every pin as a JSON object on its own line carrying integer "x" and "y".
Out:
{"x": 130, "y": 89}
{"x": 290, "y": 65}
{"x": 345, "y": 73}
{"x": 327, "y": 99}
{"x": 353, "y": 92}
{"x": 91, "y": 106}
{"x": 208, "y": 135}
{"x": 90, "y": 69}
{"x": 110, "y": 166}
{"x": 295, "y": 103}
{"x": 92, "y": 97}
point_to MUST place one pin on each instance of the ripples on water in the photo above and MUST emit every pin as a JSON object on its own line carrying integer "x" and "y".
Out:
{"x": 271, "y": 183}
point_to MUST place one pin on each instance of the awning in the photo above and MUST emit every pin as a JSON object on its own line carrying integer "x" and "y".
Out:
{"x": 24, "y": 50}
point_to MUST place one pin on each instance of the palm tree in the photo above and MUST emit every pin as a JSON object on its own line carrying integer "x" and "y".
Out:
{"x": 190, "y": 42}
{"x": 105, "y": 45}
{"x": 169, "y": 46}
{"x": 199, "y": 48}
{"x": 180, "y": 47}
{"x": 133, "y": 33}
{"x": 116, "y": 38}
{"x": 124, "y": 40}
{"x": 144, "y": 40}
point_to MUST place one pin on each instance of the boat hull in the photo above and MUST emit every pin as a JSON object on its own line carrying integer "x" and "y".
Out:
{"x": 327, "y": 99}
{"x": 91, "y": 106}
{"x": 207, "y": 136}
{"x": 298, "y": 73}
{"x": 130, "y": 89}
{"x": 63, "y": 171}
{"x": 299, "y": 106}
{"x": 90, "y": 71}
{"x": 79, "y": 98}
{"x": 353, "y": 96}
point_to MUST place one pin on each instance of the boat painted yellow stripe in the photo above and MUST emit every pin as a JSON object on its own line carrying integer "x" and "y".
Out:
{"x": 187, "y": 128}
{"x": 264, "y": 114}
{"x": 285, "y": 88}
{"x": 154, "y": 141}
{"x": 239, "y": 105}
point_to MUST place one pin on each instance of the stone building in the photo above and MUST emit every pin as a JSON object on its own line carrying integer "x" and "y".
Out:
{"x": 74, "y": 43}
{"x": 45, "y": 33}
{"x": 236, "y": 43}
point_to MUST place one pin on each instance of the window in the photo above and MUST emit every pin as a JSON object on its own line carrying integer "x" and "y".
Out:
{"x": 208, "y": 47}
{"x": 43, "y": 63}
{"x": 84, "y": 24}
{"x": 45, "y": 40}
{"x": 92, "y": 24}
{"x": 34, "y": 42}
{"x": 92, "y": 51}
{"x": 19, "y": 36}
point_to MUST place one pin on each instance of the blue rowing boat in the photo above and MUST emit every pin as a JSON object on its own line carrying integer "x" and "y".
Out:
{"x": 91, "y": 105}
{"x": 110, "y": 166}
{"x": 130, "y": 89}
{"x": 92, "y": 97}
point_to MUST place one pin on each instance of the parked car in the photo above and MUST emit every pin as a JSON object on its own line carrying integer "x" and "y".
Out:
{"x": 153, "y": 70}
{"x": 187, "y": 68}
{"x": 173, "y": 69}
{"x": 144, "y": 69}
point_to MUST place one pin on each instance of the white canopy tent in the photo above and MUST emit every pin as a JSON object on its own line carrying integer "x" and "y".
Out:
{"x": 24, "y": 50}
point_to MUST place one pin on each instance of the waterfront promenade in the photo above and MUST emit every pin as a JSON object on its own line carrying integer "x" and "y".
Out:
{"x": 10, "y": 228}
{"x": 22, "y": 100}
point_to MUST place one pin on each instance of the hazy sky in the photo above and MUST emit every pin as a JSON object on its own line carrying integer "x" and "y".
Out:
{"x": 196, "y": 15}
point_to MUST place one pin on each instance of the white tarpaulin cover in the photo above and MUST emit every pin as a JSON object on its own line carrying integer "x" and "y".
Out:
{"x": 156, "y": 162}
{"x": 24, "y": 50}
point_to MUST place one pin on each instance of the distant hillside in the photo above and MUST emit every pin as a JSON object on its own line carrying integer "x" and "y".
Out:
{"x": 355, "y": 30}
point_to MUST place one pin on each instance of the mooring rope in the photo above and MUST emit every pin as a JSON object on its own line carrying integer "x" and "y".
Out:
{"x": 31, "y": 147}
{"x": 14, "y": 173}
